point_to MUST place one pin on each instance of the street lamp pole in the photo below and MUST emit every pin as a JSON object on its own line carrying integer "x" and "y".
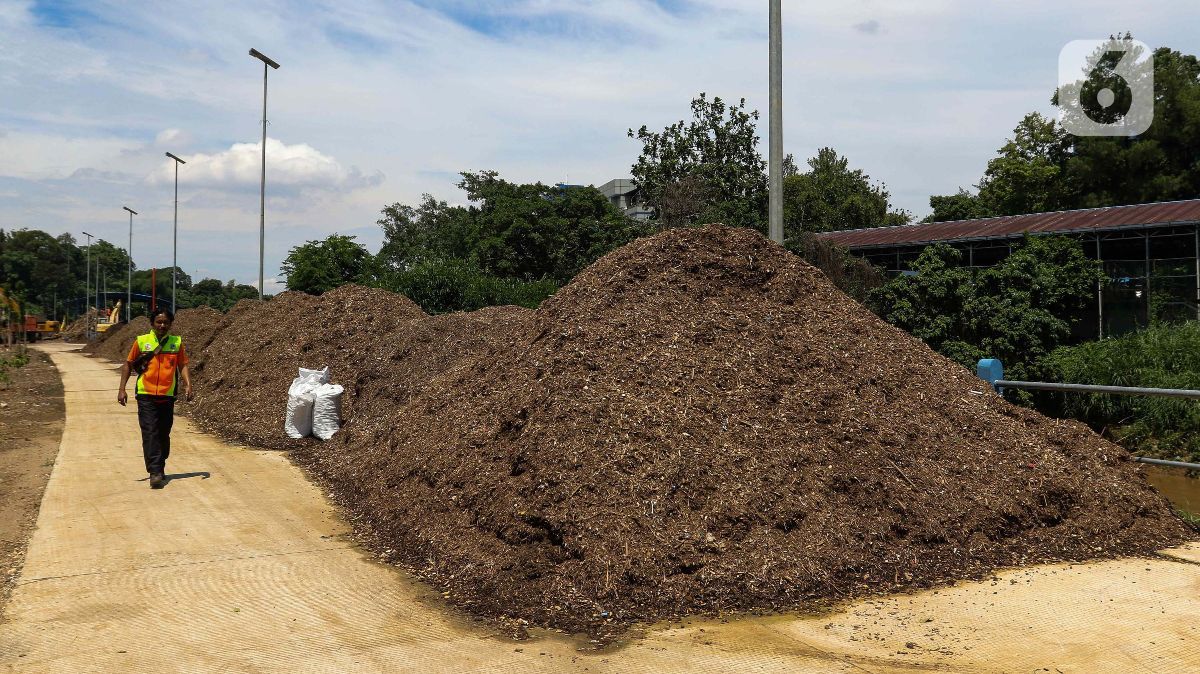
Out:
{"x": 775, "y": 206}
{"x": 262, "y": 195}
{"x": 129, "y": 275}
{"x": 87, "y": 290}
{"x": 175, "y": 230}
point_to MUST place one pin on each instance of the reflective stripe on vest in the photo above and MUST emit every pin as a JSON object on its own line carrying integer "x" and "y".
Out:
{"x": 148, "y": 343}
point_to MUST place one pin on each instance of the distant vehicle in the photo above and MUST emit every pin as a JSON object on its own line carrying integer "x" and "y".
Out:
{"x": 36, "y": 329}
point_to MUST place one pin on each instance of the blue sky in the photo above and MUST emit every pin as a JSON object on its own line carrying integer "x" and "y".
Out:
{"x": 379, "y": 102}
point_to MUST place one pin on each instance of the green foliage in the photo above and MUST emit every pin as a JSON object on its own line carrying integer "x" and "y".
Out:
{"x": 525, "y": 232}
{"x": 1017, "y": 311}
{"x": 210, "y": 292}
{"x": 534, "y": 231}
{"x": 17, "y": 357}
{"x": 442, "y": 286}
{"x": 832, "y": 197}
{"x": 1160, "y": 357}
{"x": 1042, "y": 168}
{"x": 960, "y": 206}
{"x": 319, "y": 266}
{"x": 706, "y": 170}
{"x": 433, "y": 230}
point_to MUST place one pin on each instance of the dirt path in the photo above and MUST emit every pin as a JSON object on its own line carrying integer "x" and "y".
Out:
{"x": 241, "y": 565}
{"x": 31, "y": 423}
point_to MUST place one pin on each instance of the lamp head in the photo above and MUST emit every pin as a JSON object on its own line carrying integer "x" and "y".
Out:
{"x": 176, "y": 158}
{"x": 263, "y": 57}
{"x": 130, "y": 210}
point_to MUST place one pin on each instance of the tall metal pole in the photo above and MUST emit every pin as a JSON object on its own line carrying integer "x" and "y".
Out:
{"x": 262, "y": 196}
{"x": 775, "y": 209}
{"x": 129, "y": 275}
{"x": 87, "y": 291}
{"x": 175, "y": 230}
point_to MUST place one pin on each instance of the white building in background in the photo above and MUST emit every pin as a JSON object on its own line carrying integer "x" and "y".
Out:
{"x": 623, "y": 194}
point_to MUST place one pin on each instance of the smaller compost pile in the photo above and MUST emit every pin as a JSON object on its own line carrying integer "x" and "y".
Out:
{"x": 115, "y": 342}
{"x": 197, "y": 327}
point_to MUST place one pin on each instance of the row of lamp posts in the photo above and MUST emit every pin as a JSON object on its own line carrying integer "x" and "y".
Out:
{"x": 262, "y": 221}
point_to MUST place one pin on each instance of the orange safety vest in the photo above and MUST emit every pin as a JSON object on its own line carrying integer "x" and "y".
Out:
{"x": 160, "y": 376}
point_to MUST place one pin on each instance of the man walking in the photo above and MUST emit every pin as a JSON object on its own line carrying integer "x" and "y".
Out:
{"x": 161, "y": 362}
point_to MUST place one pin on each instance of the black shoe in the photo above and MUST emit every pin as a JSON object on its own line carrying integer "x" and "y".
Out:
{"x": 157, "y": 481}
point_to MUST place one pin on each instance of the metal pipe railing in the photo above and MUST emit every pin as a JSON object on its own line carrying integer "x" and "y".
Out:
{"x": 1090, "y": 388}
{"x": 1164, "y": 462}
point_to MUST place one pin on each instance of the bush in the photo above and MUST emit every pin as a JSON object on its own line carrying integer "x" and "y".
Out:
{"x": 18, "y": 356}
{"x": 443, "y": 286}
{"x": 1162, "y": 357}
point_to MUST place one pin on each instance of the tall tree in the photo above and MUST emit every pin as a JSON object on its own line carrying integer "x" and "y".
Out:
{"x": 319, "y": 266}
{"x": 1043, "y": 168}
{"x": 705, "y": 170}
{"x": 831, "y": 196}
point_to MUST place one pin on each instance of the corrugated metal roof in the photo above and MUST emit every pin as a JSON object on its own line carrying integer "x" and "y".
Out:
{"x": 1009, "y": 226}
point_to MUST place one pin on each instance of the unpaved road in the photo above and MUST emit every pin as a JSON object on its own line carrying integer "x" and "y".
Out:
{"x": 239, "y": 564}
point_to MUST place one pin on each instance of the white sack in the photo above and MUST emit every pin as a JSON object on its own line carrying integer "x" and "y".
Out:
{"x": 315, "y": 376}
{"x": 327, "y": 410}
{"x": 299, "y": 420}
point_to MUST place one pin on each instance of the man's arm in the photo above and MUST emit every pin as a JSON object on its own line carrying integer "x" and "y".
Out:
{"x": 187, "y": 382}
{"x": 122, "y": 397}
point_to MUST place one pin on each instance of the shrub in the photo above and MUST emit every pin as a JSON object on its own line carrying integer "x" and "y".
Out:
{"x": 1161, "y": 357}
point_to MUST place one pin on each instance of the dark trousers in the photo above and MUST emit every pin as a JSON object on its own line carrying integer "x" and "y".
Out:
{"x": 156, "y": 415}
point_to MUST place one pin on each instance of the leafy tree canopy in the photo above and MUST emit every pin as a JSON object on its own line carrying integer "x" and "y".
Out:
{"x": 1043, "y": 168}
{"x": 319, "y": 266}
{"x": 831, "y": 196}
{"x": 1017, "y": 311}
{"x": 705, "y": 170}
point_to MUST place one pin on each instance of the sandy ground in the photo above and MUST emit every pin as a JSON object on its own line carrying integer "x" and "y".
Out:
{"x": 239, "y": 564}
{"x": 31, "y": 423}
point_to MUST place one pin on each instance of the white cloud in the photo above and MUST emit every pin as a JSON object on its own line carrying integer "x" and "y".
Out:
{"x": 298, "y": 165}
{"x": 173, "y": 138}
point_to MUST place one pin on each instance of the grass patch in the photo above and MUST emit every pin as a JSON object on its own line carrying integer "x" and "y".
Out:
{"x": 15, "y": 358}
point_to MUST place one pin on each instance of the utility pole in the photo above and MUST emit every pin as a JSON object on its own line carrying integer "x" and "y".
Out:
{"x": 87, "y": 291}
{"x": 129, "y": 276}
{"x": 775, "y": 185}
{"x": 175, "y": 230}
{"x": 262, "y": 190}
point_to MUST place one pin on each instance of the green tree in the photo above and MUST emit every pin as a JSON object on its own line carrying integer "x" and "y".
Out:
{"x": 831, "y": 196}
{"x": 706, "y": 170}
{"x": 534, "y": 231}
{"x": 1027, "y": 176}
{"x": 318, "y": 266}
{"x": 960, "y": 206}
{"x": 1043, "y": 168}
{"x": 432, "y": 230}
{"x": 1017, "y": 311}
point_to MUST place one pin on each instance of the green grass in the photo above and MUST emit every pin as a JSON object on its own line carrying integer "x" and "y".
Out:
{"x": 18, "y": 357}
{"x": 1161, "y": 357}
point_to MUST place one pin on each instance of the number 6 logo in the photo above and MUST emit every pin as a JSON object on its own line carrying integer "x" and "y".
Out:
{"x": 1106, "y": 87}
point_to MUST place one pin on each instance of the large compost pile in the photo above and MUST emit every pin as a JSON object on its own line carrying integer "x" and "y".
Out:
{"x": 699, "y": 422}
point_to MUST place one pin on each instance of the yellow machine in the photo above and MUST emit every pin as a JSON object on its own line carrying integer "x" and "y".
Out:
{"x": 11, "y": 315}
{"x": 113, "y": 318}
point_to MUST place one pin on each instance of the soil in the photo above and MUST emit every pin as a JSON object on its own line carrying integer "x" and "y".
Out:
{"x": 699, "y": 423}
{"x": 31, "y": 424}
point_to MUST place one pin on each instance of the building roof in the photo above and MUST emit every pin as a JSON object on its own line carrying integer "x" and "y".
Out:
{"x": 1009, "y": 226}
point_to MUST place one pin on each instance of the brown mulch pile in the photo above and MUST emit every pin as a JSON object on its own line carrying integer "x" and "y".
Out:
{"x": 197, "y": 327}
{"x": 76, "y": 330}
{"x": 699, "y": 422}
{"x": 115, "y": 342}
{"x": 241, "y": 380}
